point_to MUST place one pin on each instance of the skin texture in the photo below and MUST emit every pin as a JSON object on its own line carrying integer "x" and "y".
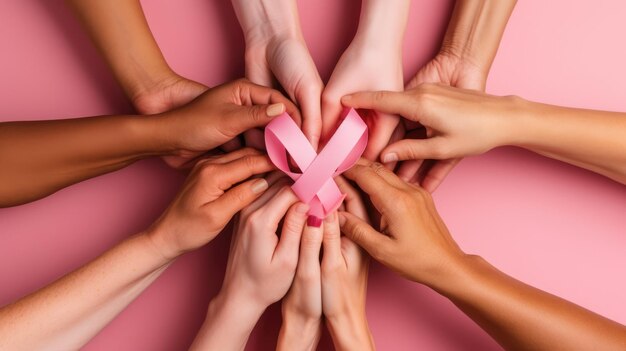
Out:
{"x": 119, "y": 30}
{"x": 336, "y": 286}
{"x": 464, "y": 61}
{"x": 69, "y": 312}
{"x": 417, "y": 245}
{"x": 373, "y": 61}
{"x": 277, "y": 56}
{"x": 465, "y": 122}
{"x": 260, "y": 268}
{"x": 64, "y": 152}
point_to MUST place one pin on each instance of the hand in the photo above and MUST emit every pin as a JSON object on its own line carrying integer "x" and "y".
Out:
{"x": 276, "y": 51}
{"x": 344, "y": 279}
{"x": 218, "y": 116}
{"x": 416, "y": 242}
{"x": 459, "y": 122}
{"x": 167, "y": 93}
{"x": 363, "y": 67}
{"x": 261, "y": 267}
{"x": 302, "y": 307}
{"x": 208, "y": 200}
{"x": 449, "y": 69}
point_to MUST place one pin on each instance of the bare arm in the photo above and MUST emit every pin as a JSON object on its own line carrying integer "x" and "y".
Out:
{"x": 417, "y": 245}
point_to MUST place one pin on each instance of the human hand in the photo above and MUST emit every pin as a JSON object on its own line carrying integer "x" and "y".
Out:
{"x": 459, "y": 122}
{"x": 277, "y": 53}
{"x": 208, "y": 200}
{"x": 344, "y": 279}
{"x": 218, "y": 116}
{"x": 261, "y": 267}
{"x": 416, "y": 242}
{"x": 302, "y": 306}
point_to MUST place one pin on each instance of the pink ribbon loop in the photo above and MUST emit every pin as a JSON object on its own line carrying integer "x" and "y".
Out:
{"x": 315, "y": 185}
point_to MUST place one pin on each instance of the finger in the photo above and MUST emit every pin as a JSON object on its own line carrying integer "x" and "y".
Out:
{"x": 252, "y": 94}
{"x": 243, "y": 118}
{"x": 232, "y": 156}
{"x": 275, "y": 186}
{"x": 434, "y": 177}
{"x": 416, "y": 149}
{"x": 331, "y": 112}
{"x": 292, "y": 236}
{"x": 274, "y": 210}
{"x": 408, "y": 169}
{"x": 240, "y": 169}
{"x": 368, "y": 174}
{"x": 363, "y": 234}
{"x": 398, "y": 103}
{"x": 353, "y": 202}
{"x": 332, "y": 240}
{"x": 380, "y": 131}
{"x": 235, "y": 199}
{"x": 309, "y": 98}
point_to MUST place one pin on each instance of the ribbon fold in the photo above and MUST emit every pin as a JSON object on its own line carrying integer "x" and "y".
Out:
{"x": 315, "y": 185}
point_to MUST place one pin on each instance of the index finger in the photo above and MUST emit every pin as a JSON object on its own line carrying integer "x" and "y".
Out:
{"x": 254, "y": 94}
{"x": 241, "y": 169}
{"x": 376, "y": 187}
{"x": 391, "y": 102}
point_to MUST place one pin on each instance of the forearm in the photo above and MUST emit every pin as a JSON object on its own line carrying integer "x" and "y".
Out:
{"x": 382, "y": 25}
{"x": 228, "y": 324}
{"x": 261, "y": 20}
{"x": 475, "y": 30}
{"x": 350, "y": 333}
{"x": 121, "y": 33}
{"x": 68, "y": 313}
{"x": 41, "y": 157}
{"x": 299, "y": 333}
{"x": 520, "y": 317}
{"x": 586, "y": 138}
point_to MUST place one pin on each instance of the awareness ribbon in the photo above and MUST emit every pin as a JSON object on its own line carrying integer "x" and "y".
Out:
{"x": 315, "y": 185}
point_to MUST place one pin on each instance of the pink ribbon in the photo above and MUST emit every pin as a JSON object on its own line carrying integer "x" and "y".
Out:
{"x": 315, "y": 185}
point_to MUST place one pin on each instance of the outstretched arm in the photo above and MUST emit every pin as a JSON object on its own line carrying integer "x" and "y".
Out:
{"x": 419, "y": 246}
{"x": 41, "y": 157}
{"x": 464, "y": 122}
{"x": 69, "y": 312}
{"x": 120, "y": 31}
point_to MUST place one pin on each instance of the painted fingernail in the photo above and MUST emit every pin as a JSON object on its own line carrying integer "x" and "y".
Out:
{"x": 275, "y": 109}
{"x": 259, "y": 186}
{"x": 390, "y": 157}
{"x": 314, "y": 221}
{"x": 302, "y": 208}
{"x": 346, "y": 98}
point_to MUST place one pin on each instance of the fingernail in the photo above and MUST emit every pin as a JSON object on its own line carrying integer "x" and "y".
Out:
{"x": 330, "y": 218}
{"x": 390, "y": 157}
{"x": 302, "y": 208}
{"x": 346, "y": 98}
{"x": 275, "y": 109}
{"x": 314, "y": 221}
{"x": 259, "y": 186}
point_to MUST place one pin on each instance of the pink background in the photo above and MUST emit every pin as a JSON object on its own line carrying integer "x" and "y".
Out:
{"x": 549, "y": 224}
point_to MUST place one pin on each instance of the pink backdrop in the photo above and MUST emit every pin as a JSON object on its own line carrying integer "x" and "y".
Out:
{"x": 549, "y": 224}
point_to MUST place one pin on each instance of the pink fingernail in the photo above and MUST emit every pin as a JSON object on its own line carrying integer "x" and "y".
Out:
{"x": 313, "y": 221}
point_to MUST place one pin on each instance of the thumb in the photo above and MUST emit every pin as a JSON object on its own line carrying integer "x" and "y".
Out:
{"x": 254, "y": 116}
{"x": 363, "y": 234}
{"x": 416, "y": 149}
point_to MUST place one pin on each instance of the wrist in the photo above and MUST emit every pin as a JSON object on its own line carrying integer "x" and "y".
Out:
{"x": 227, "y": 307}
{"x": 382, "y": 24}
{"x": 350, "y": 332}
{"x": 262, "y": 20}
{"x": 299, "y": 332}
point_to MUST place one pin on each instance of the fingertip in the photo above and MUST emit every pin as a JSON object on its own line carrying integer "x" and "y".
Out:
{"x": 276, "y": 109}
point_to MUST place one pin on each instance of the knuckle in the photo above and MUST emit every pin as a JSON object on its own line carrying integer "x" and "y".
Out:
{"x": 251, "y": 161}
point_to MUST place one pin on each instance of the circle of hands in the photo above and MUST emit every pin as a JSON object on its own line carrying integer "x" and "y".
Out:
{"x": 276, "y": 252}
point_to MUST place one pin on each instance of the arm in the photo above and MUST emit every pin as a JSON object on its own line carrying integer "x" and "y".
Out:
{"x": 467, "y": 52}
{"x": 41, "y": 157}
{"x": 275, "y": 48}
{"x": 419, "y": 246}
{"x": 373, "y": 61}
{"x": 590, "y": 139}
{"x": 345, "y": 269}
{"x": 121, "y": 33}
{"x": 68, "y": 313}
{"x": 260, "y": 268}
